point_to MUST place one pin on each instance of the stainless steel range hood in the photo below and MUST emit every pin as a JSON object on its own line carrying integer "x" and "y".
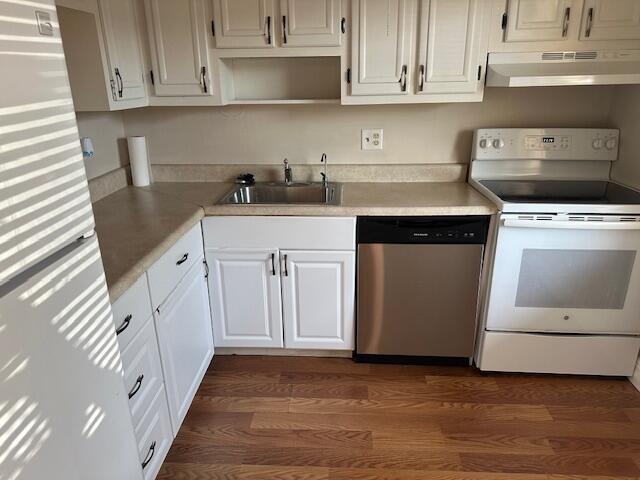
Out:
{"x": 542, "y": 69}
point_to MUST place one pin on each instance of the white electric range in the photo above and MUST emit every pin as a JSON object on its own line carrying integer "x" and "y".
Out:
{"x": 563, "y": 286}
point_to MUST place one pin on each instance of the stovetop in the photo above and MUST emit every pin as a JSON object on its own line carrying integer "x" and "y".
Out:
{"x": 562, "y": 192}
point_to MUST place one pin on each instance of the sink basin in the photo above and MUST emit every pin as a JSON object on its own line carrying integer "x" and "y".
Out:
{"x": 281, "y": 193}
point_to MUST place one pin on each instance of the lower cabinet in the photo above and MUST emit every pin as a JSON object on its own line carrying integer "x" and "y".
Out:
{"x": 154, "y": 436}
{"x": 183, "y": 324}
{"x": 245, "y": 298}
{"x": 260, "y": 295}
{"x": 317, "y": 299}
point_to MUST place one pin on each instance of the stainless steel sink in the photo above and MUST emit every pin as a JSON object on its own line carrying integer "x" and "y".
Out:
{"x": 282, "y": 193}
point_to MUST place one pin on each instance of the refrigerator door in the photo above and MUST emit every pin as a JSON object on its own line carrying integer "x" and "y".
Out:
{"x": 63, "y": 407}
{"x": 44, "y": 201}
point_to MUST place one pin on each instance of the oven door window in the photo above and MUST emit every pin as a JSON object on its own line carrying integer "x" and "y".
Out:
{"x": 574, "y": 278}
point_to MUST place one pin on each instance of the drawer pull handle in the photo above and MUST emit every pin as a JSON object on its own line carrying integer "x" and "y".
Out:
{"x": 152, "y": 451}
{"x": 136, "y": 387}
{"x": 286, "y": 270}
{"x": 183, "y": 259}
{"x": 273, "y": 264}
{"x": 124, "y": 325}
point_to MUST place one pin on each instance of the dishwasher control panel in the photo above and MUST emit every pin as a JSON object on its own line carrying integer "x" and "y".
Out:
{"x": 423, "y": 230}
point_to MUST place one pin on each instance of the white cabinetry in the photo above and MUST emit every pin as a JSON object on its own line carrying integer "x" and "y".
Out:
{"x": 317, "y": 298}
{"x": 311, "y": 23}
{"x": 610, "y": 20}
{"x": 179, "y": 36}
{"x": 564, "y": 25}
{"x": 103, "y": 54}
{"x": 382, "y": 34}
{"x": 292, "y": 277}
{"x": 245, "y": 297}
{"x": 538, "y": 20}
{"x": 450, "y": 45}
{"x": 244, "y": 23}
{"x": 183, "y": 323}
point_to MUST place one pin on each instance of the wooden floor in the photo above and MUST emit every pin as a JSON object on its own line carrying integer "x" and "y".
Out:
{"x": 267, "y": 418}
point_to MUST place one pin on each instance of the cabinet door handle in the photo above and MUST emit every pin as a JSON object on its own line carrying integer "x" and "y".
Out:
{"x": 183, "y": 259}
{"x": 403, "y": 79}
{"x": 119, "y": 81}
{"x": 284, "y": 29}
{"x": 286, "y": 270}
{"x": 136, "y": 387}
{"x": 565, "y": 23}
{"x": 152, "y": 451}
{"x": 203, "y": 79}
{"x": 273, "y": 264}
{"x": 343, "y": 27}
{"x": 268, "y": 34}
{"x": 421, "y": 84}
{"x": 124, "y": 325}
{"x": 587, "y": 32}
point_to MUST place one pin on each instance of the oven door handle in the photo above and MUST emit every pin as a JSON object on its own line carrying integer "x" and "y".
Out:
{"x": 568, "y": 225}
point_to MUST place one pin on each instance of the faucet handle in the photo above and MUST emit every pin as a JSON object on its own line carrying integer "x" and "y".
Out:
{"x": 286, "y": 163}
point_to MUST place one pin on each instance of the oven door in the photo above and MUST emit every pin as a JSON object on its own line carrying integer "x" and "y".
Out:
{"x": 566, "y": 274}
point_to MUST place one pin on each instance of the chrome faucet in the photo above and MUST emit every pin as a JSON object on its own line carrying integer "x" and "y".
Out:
{"x": 323, "y": 160}
{"x": 288, "y": 173}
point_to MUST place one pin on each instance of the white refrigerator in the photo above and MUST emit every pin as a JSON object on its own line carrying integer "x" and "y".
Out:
{"x": 63, "y": 407}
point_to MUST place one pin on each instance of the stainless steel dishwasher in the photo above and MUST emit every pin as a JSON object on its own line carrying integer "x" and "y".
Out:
{"x": 418, "y": 282}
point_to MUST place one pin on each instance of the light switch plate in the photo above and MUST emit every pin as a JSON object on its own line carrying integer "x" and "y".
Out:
{"x": 45, "y": 27}
{"x": 371, "y": 139}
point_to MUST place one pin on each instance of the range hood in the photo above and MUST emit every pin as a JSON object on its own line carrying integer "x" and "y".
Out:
{"x": 542, "y": 69}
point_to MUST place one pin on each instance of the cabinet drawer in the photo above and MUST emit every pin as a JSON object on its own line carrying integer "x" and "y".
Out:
{"x": 142, "y": 371}
{"x": 131, "y": 311}
{"x": 165, "y": 274}
{"x": 154, "y": 436}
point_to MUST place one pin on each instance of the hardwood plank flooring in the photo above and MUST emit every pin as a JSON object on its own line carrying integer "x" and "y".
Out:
{"x": 286, "y": 418}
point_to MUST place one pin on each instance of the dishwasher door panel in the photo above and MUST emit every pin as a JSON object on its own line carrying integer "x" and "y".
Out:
{"x": 417, "y": 300}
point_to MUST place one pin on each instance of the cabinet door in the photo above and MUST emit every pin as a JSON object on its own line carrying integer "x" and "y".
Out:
{"x": 244, "y": 287}
{"x": 610, "y": 20}
{"x": 318, "y": 299}
{"x": 381, "y": 46}
{"x": 123, "y": 49}
{"x": 310, "y": 23}
{"x": 183, "y": 325}
{"x": 244, "y": 23}
{"x": 179, "y": 51}
{"x": 538, "y": 20}
{"x": 452, "y": 46}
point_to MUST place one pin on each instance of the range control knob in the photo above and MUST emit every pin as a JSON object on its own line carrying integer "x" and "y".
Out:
{"x": 483, "y": 143}
{"x": 597, "y": 144}
{"x": 498, "y": 143}
{"x": 610, "y": 144}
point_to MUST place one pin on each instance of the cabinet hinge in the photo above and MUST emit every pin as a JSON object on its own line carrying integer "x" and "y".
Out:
{"x": 504, "y": 20}
{"x": 348, "y": 75}
{"x": 479, "y": 72}
{"x": 153, "y": 82}
{"x": 213, "y": 28}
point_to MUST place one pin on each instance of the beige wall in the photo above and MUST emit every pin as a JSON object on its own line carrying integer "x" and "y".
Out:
{"x": 625, "y": 115}
{"x": 437, "y": 133}
{"x": 106, "y": 130}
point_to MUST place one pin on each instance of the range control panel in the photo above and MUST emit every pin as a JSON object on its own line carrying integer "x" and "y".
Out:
{"x": 548, "y": 144}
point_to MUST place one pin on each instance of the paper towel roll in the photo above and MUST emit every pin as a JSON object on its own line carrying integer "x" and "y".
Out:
{"x": 139, "y": 161}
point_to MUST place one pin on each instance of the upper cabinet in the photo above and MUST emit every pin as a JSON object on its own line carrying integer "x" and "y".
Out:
{"x": 537, "y": 20}
{"x": 103, "y": 54}
{"x": 564, "y": 25}
{"x": 258, "y": 23}
{"x": 311, "y": 23}
{"x": 382, "y": 35}
{"x": 244, "y": 23}
{"x": 450, "y": 46}
{"x": 178, "y": 36}
{"x": 610, "y": 20}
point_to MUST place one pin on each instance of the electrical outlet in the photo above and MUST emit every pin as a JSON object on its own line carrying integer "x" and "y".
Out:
{"x": 371, "y": 139}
